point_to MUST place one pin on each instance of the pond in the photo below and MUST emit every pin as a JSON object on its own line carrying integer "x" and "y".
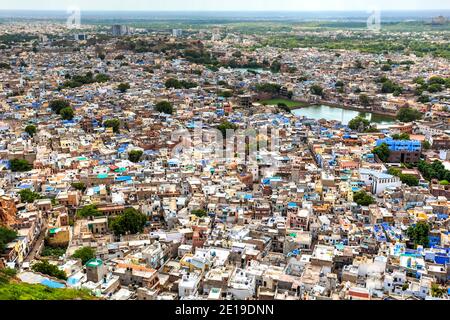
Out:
{"x": 318, "y": 112}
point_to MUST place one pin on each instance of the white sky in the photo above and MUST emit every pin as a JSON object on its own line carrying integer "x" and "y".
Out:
{"x": 230, "y": 5}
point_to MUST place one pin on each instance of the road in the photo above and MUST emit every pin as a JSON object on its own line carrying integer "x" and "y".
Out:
{"x": 36, "y": 246}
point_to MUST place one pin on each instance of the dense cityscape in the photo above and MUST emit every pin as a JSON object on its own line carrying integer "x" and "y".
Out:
{"x": 224, "y": 159}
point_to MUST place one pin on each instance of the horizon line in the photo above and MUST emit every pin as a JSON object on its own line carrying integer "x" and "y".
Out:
{"x": 242, "y": 10}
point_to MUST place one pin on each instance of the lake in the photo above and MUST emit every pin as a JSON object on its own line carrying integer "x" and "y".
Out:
{"x": 338, "y": 114}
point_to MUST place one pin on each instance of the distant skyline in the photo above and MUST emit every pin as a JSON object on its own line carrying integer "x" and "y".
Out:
{"x": 229, "y": 5}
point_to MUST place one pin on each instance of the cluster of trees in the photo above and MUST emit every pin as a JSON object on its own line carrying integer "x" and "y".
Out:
{"x": 4, "y": 65}
{"x": 28, "y": 196}
{"x": 164, "y": 107}
{"x": 364, "y": 99}
{"x": 317, "y": 90}
{"x": 408, "y": 179}
{"x": 433, "y": 85}
{"x": 53, "y": 252}
{"x": 79, "y": 186}
{"x": 226, "y": 125}
{"x": 173, "y": 83}
{"x": 130, "y": 222}
{"x": 123, "y": 87}
{"x": 63, "y": 108}
{"x": 271, "y": 88}
{"x": 435, "y": 170}
{"x": 80, "y": 80}
{"x": 361, "y": 124}
{"x": 418, "y": 234}
{"x": 283, "y": 107}
{"x": 403, "y": 136}
{"x": 408, "y": 114}
{"x": 20, "y": 165}
{"x": 199, "y": 213}
{"x": 201, "y": 56}
{"x": 31, "y": 130}
{"x": 88, "y": 211}
{"x": 135, "y": 155}
{"x": 362, "y": 198}
{"x": 112, "y": 123}
{"x": 380, "y": 44}
{"x": 6, "y": 236}
{"x": 85, "y": 254}
{"x": 47, "y": 268}
{"x": 388, "y": 86}
{"x": 382, "y": 152}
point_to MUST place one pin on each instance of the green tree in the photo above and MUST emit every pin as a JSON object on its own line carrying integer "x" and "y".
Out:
{"x": 408, "y": 114}
{"x": 418, "y": 234}
{"x": 58, "y": 105}
{"x": 437, "y": 291}
{"x": 31, "y": 130}
{"x": 123, "y": 87}
{"x": 423, "y": 99}
{"x": 135, "y": 155}
{"x": 317, "y": 90}
{"x": 409, "y": 180}
{"x": 28, "y": 196}
{"x": 101, "y": 77}
{"x": 403, "y": 136}
{"x": 112, "y": 123}
{"x": 67, "y": 113}
{"x": 199, "y": 213}
{"x": 362, "y": 198}
{"x": 53, "y": 251}
{"x": 20, "y": 165}
{"x": 164, "y": 107}
{"x": 88, "y": 211}
{"x": 172, "y": 83}
{"x": 45, "y": 267}
{"x": 359, "y": 124}
{"x": 85, "y": 254}
{"x": 130, "y": 222}
{"x": 6, "y": 236}
{"x": 364, "y": 99}
{"x": 226, "y": 125}
{"x": 382, "y": 152}
{"x": 426, "y": 145}
{"x": 79, "y": 186}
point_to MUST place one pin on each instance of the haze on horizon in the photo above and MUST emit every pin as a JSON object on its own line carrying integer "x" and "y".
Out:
{"x": 229, "y": 5}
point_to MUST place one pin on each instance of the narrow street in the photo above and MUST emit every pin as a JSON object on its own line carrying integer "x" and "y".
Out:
{"x": 36, "y": 246}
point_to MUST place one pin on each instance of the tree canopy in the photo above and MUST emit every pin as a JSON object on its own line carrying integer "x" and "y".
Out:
{"x": 28, "y": 196}
{"x": 67, "y": 113}
{"x": 382, "y": 152}
{"x": 359, "y": 124}
{"x": 408, "y": 115}
{"x": 164, "y": 107}
{"x": 418, "y": 234}
{"x": 130, "y": 222}
{"x": 123, "y": 87}
{"x": 226, "y": 125}
{"x": 85, "y": 254}
{"x": 88, "y": 211}
{"x": 49, "y": 269}
{"x": 112, "y": 123}
{"x": 362, "y": 198}
{"x": 6, "y": 236}
{"x": 135, "y": 155}
{"x": 31, "y": 130}
{"x": 58, "y": 105}
{"x": 20, "y": 165}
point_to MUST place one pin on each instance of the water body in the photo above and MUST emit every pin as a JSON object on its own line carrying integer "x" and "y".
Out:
{"x": 338, "y": 114}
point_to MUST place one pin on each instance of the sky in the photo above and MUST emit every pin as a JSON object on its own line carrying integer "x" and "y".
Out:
{"x": 226, "y": 5}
